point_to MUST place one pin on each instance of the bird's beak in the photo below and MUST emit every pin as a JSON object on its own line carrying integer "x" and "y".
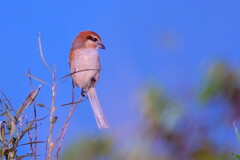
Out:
{"x": 101, "y": 46}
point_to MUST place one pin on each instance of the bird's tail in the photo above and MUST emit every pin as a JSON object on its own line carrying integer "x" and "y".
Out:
{"x": 99, "y": 115}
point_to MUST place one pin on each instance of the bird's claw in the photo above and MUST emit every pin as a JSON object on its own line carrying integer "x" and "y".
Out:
{"x": 84, "y": 93}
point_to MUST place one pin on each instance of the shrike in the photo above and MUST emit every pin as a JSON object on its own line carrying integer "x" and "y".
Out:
{"x": 85, "y": 68}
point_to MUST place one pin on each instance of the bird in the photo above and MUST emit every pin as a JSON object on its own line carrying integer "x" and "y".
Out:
{"x": 84, "y": 62}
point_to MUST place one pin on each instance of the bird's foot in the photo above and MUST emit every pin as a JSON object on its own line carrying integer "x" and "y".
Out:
{"x": 84, "y": 93}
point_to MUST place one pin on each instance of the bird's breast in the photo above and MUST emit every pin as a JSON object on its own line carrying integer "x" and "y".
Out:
{"x": 81, "y": 60}
{"x": 84, "y": 58}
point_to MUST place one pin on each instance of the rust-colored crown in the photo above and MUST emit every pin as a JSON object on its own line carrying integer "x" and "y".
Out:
{"x": 82, "y": 37}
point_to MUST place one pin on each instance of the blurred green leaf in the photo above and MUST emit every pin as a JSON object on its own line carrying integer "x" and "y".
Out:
{"x": 155, "y": 102}
{"x": 88, "y": 148}
{"x": 237, "y": 156}
{"x": 236, "y": 131}
{"x": 221, "y": 80}
{"x": 214, "y": 82}
{"x": 211, "y": 89}
{"x": 24, "y": 156}
{"x": 208, "y": 152}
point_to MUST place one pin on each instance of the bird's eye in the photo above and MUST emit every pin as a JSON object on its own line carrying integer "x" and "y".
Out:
{"x": 94, "y": 39}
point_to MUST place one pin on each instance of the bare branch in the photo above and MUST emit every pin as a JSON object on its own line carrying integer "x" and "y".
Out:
{"x": 62, "y": 133}
{"x": 50, "y": 143}
{"x": 41, "y": 53}
{"x": 7, "y": 100}
{"x": 66, "y": 76}
{"x": 38, "y": 79}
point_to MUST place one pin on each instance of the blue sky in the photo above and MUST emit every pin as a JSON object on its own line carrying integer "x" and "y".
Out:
{"x": 206, "y": 31}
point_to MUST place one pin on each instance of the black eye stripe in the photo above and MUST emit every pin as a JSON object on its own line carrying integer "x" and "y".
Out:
{"x": 92, "y": 38}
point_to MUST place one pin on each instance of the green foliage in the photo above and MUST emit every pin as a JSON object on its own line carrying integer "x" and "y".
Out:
{"x": 237, "y": 156}
{"x": 236, "y": 132}
{"x": 88, "y": 148}
{"x": 166, "y": 124}
{"x": 223, "y": 81}
{"x": 214, "y": 82}
{"x": 159, "y": 125}
{"x": 238, "y": 137}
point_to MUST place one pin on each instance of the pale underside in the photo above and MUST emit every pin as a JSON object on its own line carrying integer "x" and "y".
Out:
{"x": 88, "y": 60}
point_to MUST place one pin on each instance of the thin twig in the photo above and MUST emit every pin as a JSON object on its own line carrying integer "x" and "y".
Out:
{"x": 50, "y": 146}
{"x": 30, "y": 81}
{"x": 67, "y": 104}
{"x": 50, "y": 143}
{"x": 34, "y": 149}
{"x": 62, "y": 133}
{"x": 35, "y": 131}
{"x": 8, "y": 101}
{"x": 73, "y": 87}
{"x": 30, "y": 138}
{"x": 61, "y": 136}
{"x": 38, "y": 79}
{"x": 41, "y": 53}
{"x": 29, "y": 133}
{"x": 66, "y": 76}
{"x": 46, "y": 149}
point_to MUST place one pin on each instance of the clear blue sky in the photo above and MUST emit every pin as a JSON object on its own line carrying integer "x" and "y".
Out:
{"x": 205, "y": 31}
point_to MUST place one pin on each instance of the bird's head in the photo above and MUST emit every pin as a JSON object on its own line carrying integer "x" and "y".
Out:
{"x": 88, "y": 39}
